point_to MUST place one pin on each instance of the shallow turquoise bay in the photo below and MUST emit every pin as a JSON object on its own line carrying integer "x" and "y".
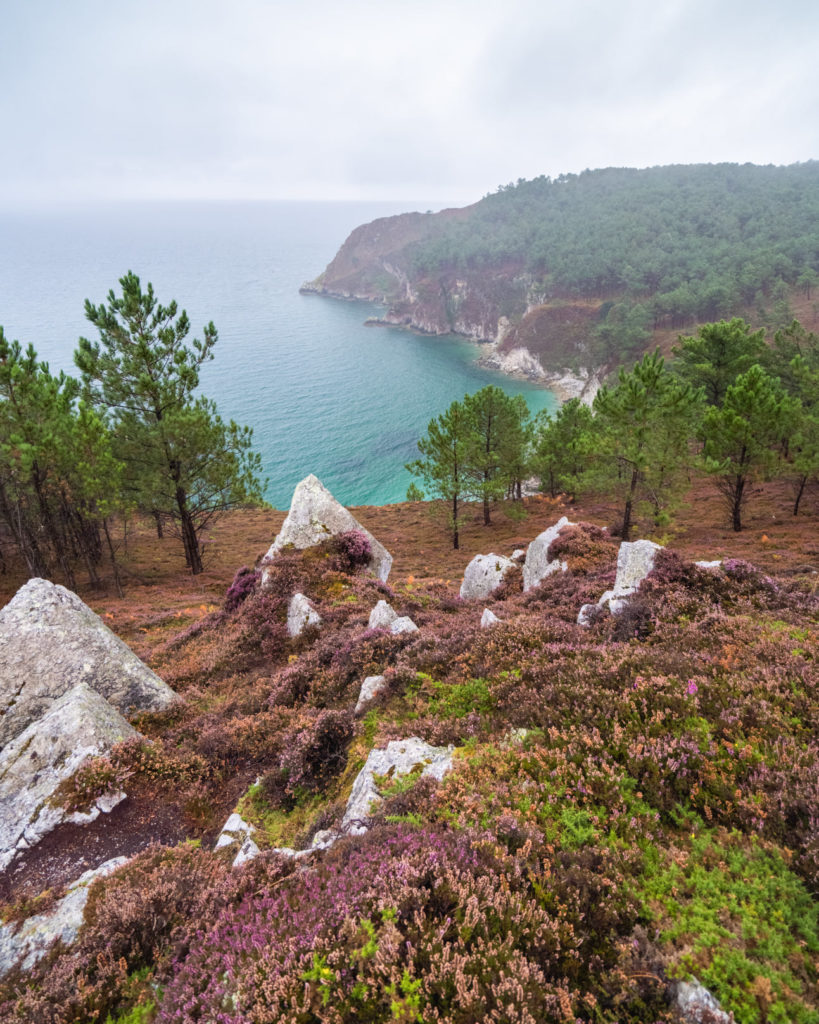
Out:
{"x": 323, "y": 393}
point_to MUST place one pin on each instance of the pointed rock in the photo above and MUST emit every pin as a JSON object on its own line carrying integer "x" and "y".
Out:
{"x": 488, "y": 619}
{"x": 314, "y": 516}
{"x": 50, "y": 641}
{"x": 301, "y": 614}
{"x": 382, "y": 616}
{"x": 81, "y": 724}
{"x": 484, "y": 574}
{"x": 235, "y": 830}
{"x": 404, "y": 624}
{"x": 538, "y": 565}
{"x": 371, "y": 687}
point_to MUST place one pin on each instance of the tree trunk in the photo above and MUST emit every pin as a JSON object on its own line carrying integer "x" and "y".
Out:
{"x": 626, "y": 531}
{"x": 112, "y": 554}
{"x": 158, "y": 519}
{"x": 801, "y": 490}
{"x": 455, "y": 543}
{"x": 189, "y": 538}
{"x": 736, "y": 504}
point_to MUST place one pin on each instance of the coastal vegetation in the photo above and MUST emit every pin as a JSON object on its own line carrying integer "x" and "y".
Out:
{"x": 131, "y": 435}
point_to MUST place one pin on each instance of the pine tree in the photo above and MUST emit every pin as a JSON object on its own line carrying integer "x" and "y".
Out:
{"x": 182, "y": 460}
{"x": 443, "y": 466}
{"x": 742, "y": 438}
{"x": 645, "y": 423}
{"x": 717, "y": 356}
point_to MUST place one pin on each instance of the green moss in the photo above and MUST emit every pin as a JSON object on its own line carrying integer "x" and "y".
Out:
{"x": 739, "y": 919}
{"x": 452, "y": 700}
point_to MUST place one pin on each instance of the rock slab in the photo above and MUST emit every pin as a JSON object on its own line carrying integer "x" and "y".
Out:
{"x": 49, "y": 642}
{"x": 24, "y": 944}
{"x": 635, "y": 560}
{"x": 371, "y": 687}
{"x": 81, "y": 724}
{"x": 489, "y": 618}
{"x": 538, "y": 565}
{"x": 399, "y": 757}
{"x": 301, "y": 614}
{"x": 484, "y": 574}
{"x": 314, "y": 516}
{"x": 382, "y": 616}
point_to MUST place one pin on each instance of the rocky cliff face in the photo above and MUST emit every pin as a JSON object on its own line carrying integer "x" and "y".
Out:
{"x": 500, "y": 303}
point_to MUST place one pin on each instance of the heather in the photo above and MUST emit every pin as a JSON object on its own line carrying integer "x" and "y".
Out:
{"x": 630, "y": 803}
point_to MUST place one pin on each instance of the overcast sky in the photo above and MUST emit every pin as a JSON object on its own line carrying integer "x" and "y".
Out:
{"x": 394, "y": 99}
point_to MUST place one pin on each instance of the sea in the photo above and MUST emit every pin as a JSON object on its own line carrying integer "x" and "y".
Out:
{"x": 323, "y": 393}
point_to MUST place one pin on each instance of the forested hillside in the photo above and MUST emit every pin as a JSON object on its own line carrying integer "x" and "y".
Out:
{"x": 626, "y": 251}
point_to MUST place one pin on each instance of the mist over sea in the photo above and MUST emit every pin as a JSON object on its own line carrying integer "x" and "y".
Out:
{"x": 323, "y": 393}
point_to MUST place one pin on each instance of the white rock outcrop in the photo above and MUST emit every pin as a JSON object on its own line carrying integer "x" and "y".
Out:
{"x": 399, "y": 757}
{"x": 403, "y": 624}
{"x": 371, "y": 687}
{"x": 79, "y": 725}
{"x": 696, "y": 1005}
{"x": 635, "y": 560}
{"x": 484, "y": 574}
{"x": 301, "y": 614}
{"x": 49, "y": 642}
{"x": 22, "y": 945}
{"x": 234, "y": 832}
{"x": 382, "y": 616}
{"x": 716, "y": 564}
{"x": 538, "y": 565}
{"x": 489, "y": 618}
{"x": 314, "y": 516}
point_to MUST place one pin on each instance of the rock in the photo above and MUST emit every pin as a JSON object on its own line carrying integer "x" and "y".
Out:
{"x": 586, "y": 615}
{"x": 371, "y": 686}
{"x": 235, "y": 830}
{"x": 247, "y": 851}
{"x": 398, "y": 758}
{"x": 635, "y": 560}
{"x": 314, "y": 516}
{"x": 79, "y": 725}
{"x": 301, "y": 614}
{"x": 518, "y": 555}
{"x": 49, "y": 642}
{"x": 538, "y": 565}
{"x": 382, "y": 616}
{"x": 697, "y": 1006}
{"x": 716, "y": 564}
{"x": 403, "y": 625}
{"x": 22, "y": 945}
{"x": 483, "y": 575}
{"x": 488, "y": 619}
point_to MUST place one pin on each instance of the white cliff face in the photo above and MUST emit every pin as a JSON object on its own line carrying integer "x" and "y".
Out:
{"x": 314, "y": 516}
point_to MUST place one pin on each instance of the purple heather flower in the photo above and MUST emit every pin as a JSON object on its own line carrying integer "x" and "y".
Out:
{"x": 692, "y": 688}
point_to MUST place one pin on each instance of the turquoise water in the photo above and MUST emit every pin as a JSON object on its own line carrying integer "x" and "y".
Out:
{"x": 323, "y": 393}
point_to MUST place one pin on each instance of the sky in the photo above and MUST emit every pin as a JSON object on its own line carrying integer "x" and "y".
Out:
{"x": 395, "y": 99}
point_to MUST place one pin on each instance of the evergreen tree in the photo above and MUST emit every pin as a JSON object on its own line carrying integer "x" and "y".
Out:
{"x": 717, "y": 356}
{"x": 182, "y": 460}
{"x": 645, "y": 423}
{"x": 58, "y": 477}
{"x": 563, "y": 446}
{"x": 496, "y": 450}
{"x": 443, "y": 466}
{"x": 742, "y": 438}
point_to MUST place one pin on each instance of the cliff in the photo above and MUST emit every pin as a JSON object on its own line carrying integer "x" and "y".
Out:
{"x": 582, "y": 272}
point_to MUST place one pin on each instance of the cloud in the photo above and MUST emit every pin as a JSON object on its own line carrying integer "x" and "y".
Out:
{"x": 265, "y": 98}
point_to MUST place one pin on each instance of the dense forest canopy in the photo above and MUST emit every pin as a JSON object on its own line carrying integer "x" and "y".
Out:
{"x": 697, "y": 239}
